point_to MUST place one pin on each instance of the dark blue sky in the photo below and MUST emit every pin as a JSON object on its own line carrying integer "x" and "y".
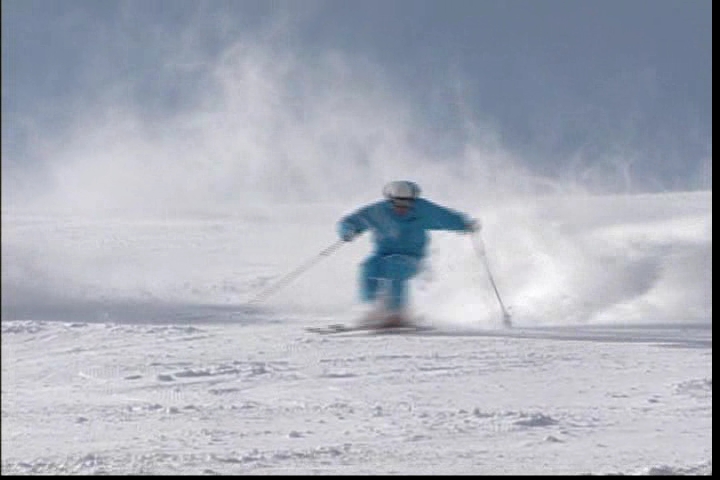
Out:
{"x": 553, "y": 77}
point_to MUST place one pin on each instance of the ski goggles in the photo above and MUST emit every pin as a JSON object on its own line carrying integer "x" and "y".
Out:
{"x": 402, "y": 202}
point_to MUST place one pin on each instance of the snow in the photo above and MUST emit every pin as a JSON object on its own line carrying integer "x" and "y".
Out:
{"x": 130, "y": 346}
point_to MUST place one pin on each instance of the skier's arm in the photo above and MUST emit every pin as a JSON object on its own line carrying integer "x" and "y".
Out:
{"x": 436, "y": 217}
{"x": 353, "y": 224}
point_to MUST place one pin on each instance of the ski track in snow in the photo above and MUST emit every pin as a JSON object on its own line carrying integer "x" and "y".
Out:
{"x": 273, "y": 399}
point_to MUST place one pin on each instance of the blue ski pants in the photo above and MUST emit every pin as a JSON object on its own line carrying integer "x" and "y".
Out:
{"x": 388, "y": 275}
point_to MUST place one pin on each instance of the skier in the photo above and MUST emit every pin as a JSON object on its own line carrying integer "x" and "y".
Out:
{"x": 399, "y": 224}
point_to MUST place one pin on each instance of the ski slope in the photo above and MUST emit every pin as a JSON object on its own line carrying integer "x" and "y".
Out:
{"x": 129, "y": 345}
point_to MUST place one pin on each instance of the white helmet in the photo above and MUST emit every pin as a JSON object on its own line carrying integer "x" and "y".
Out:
{"x": 401, "y": 190}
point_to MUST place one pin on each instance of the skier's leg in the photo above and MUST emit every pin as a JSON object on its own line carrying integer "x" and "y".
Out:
{"x": 399, "y": 269}
{"x": 370, "y": 273}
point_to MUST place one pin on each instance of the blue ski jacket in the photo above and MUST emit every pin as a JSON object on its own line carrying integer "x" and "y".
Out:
{"x": 404, "y": 234}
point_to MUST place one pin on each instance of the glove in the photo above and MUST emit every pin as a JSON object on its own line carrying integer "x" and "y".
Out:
{"x": 348, "y": 234}
{"x": 473, "y": 225}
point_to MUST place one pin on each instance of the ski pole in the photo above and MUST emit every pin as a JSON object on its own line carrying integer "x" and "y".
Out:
{"x": 295, "y": 273}
{"x": 480, "y": 250}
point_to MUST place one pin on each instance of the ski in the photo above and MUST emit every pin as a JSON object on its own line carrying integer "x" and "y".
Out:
{"x": 337, "y": 328}
{"x": 344, "y": 328}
